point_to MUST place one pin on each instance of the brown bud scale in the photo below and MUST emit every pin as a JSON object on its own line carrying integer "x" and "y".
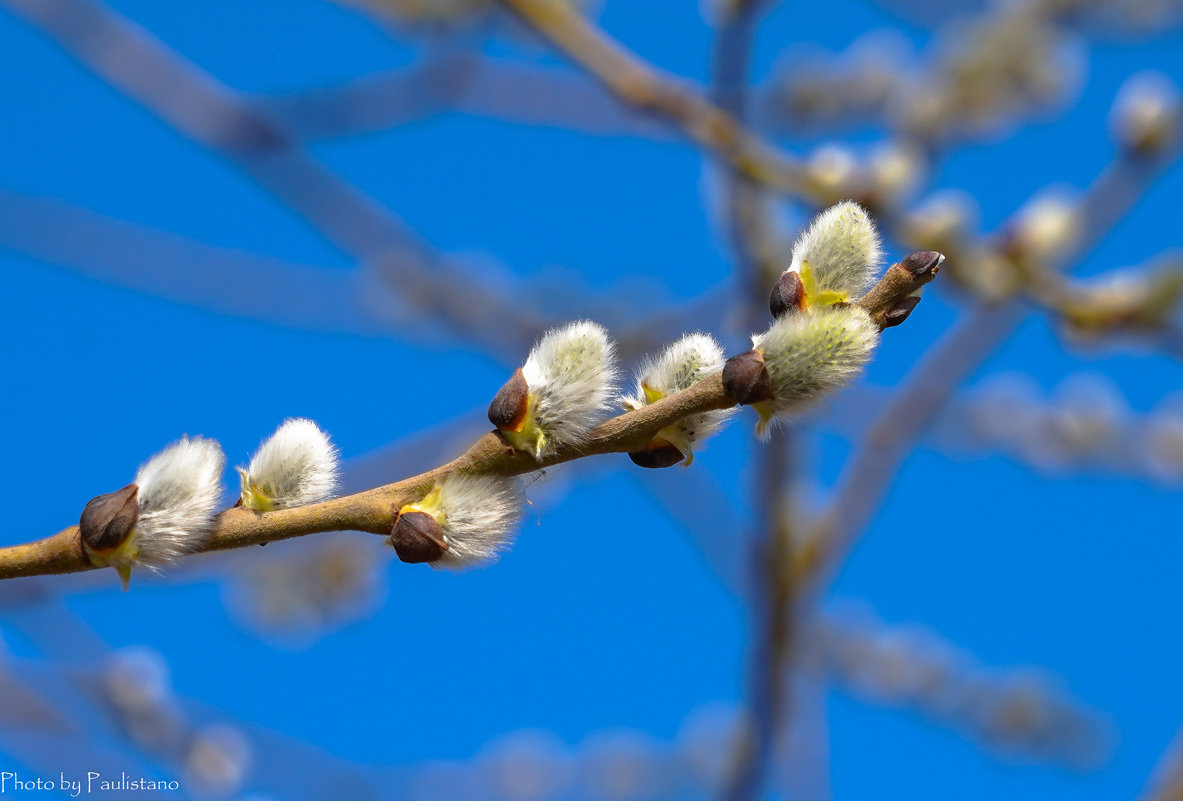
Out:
{"x": 900, "y": 311}
{"x": 788, "y": 295}
{"x": 108, "y": 519}
{"x": 658, "y": 453}
{"x": 417, "y": 537}
{"x": 923, "y": 262}
{"x": 510, "y": 404}
{"x": 745, "y": 378}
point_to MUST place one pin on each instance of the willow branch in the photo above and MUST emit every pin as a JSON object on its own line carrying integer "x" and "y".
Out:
{"x": 373, "y": 510}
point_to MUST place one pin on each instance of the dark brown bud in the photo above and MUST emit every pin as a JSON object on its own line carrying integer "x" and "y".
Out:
{"x": 900, "y": 311}
{"x": 417, "y": 537}
{"x": 746, "y": 379}
{"x": 658, "y": 453}
{"x": 509, "y": 406}
{"x": 923, "y": 262}
{"x": 108, "y": 519}
{"x": 788, "y": 295}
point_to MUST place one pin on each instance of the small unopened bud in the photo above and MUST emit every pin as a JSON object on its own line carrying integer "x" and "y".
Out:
{"x": 745, "y": 378}
{"x": 900, "y": 311}
{"x": 838, "y": 256}
{"x": 464, "y": 521}
{"x": 680, "y": 366}
{"x": 1147, "y": 115}
{"x": 108, "y": 519}
{"x": 417, "y": 537}
{"x": 923, "y": 262}
{"x": 658, "y": 453}
{"x": 560, "y": 393}
{"x": 788, "y": 295}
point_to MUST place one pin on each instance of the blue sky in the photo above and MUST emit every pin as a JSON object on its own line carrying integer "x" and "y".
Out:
{"x": 605, "y": 614}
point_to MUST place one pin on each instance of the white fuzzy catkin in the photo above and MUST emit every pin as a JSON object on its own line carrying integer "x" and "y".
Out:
{"x": 295, "y": 466}
{"x": 1147, "y": 113}
{"x": 179, "y": 492}
{"x": 681, "y": 365}
{"x": 571, "y": 375}
{"x": 480, "y": 514}
{"x": 842, "y": 250}
{"x": 807, "y": 355}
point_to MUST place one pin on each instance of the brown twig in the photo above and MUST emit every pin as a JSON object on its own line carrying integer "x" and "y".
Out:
{"x": 373, "y": 509}
{"x": 640, "y": 84}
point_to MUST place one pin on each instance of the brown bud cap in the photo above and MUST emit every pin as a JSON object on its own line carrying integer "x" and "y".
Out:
{"x": 746, "y": 379}
{"x": 788, "y": 295}
{"x": 658, "y": 453}
{"x": 900, "y": 311}
{"x": 509, "y": 406}
{"x": 108, "y": 519}
{"x": 417, "y": 537}
{"x": 923, "y": 262}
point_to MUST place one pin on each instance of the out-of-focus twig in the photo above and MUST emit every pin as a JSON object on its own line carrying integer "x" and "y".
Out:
{"x": 639, "y": 83}
{"x": 749, "y": 216}
{"x": 1166, "y": 783}
{"x": 1142, "y": 302}
{"x": 378, "y": 101}
{"x": 773, "y": 631}
{"x": 883, "y": 448}
{"x": 771, "y": 592}
{"x": 465, "y": 84}
{"x": 216, "y": 117}
{"x": 124, "y": 254}
{"x": 1017, "y": 710}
